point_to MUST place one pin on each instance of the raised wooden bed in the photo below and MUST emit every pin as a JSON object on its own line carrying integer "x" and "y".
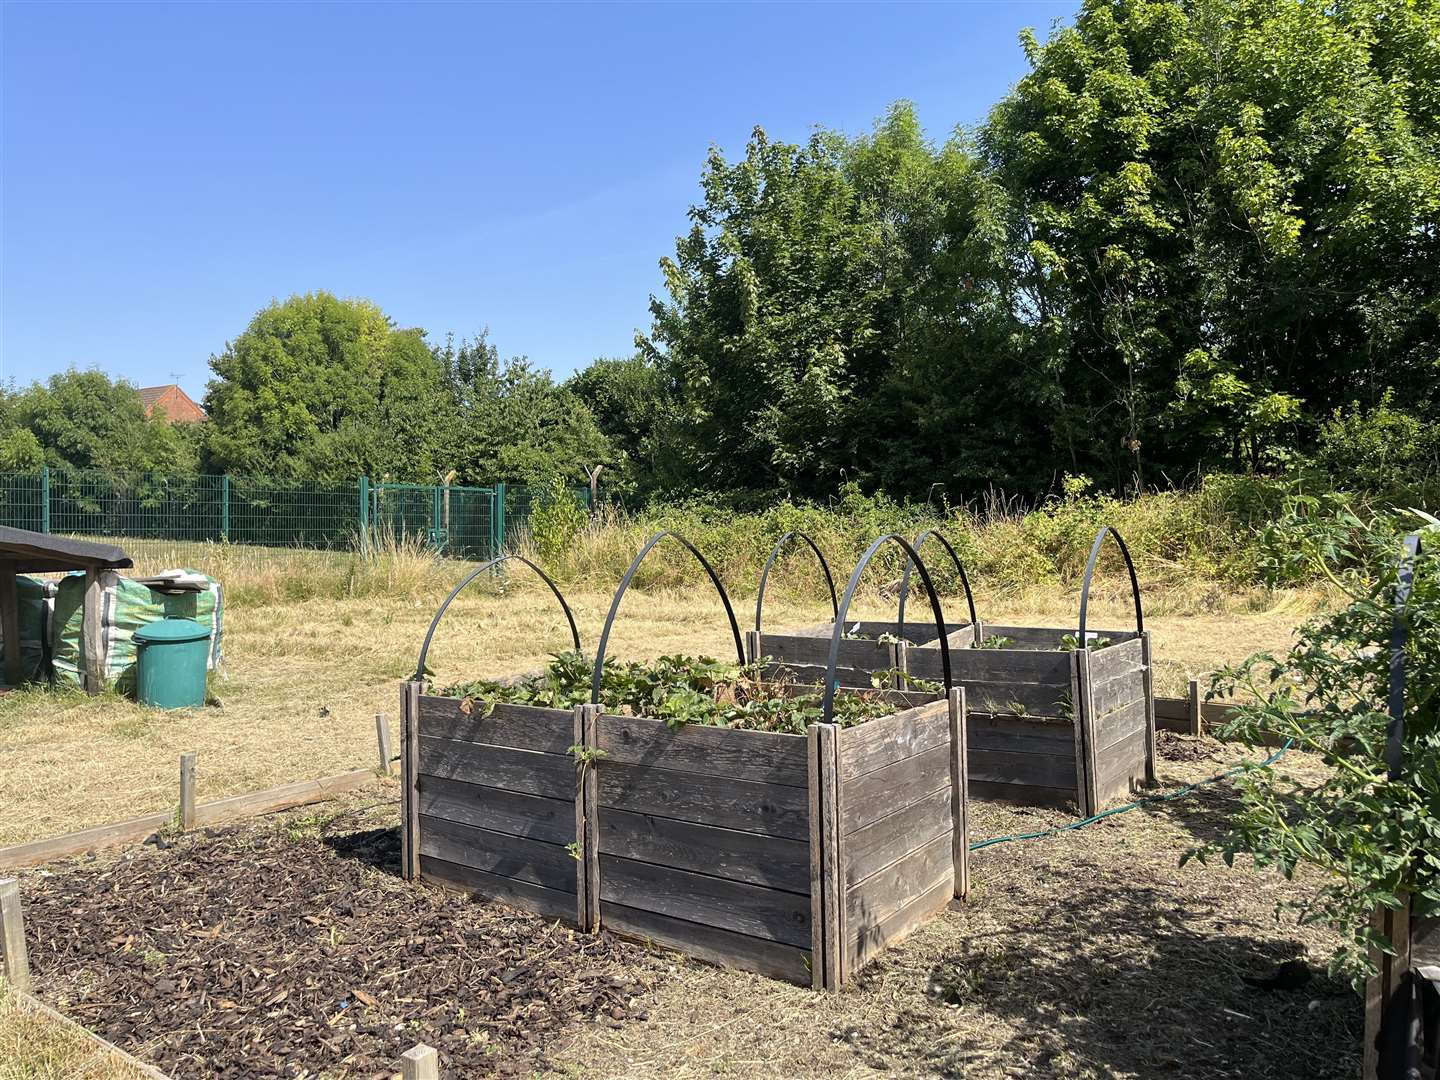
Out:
{"x": 796, "y": 856}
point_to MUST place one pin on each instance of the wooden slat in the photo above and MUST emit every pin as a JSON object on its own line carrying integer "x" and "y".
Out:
{"x": 887, "y": 891}
{"x": 761, "y": 756}
{"x": 814, "y": 675}
{"x": 550, "y": 903}
{"x": 410, "y": 694}
{"x": 882, "y": 742}
{"x": 1000, "y": 697}
{"x": 889, "y": 931}
{"x": 1115, "y": 659}
{"x": 533, "y": 816}
{"x": 870, "y": 797}
{"x": 832, "y": 882}
{"x": 817, "y": 859}
{"x": 1022, "y": 794}
{"x": 1122, "y": 761}
{"x": 815, "y": 651}
{"x": 877, "y": 845}
{"x": 1425, "y": 942}
{"x": 772, "y": 914}
{"x": 1021, "y": 734}
{"x": 501, "y": 854}
{"x": 769, "y": 809}
{"x": 1039, "y": 770}
{"x": 523, "y": 727}
{"x": 1148, "y": 696}
{"x": 100, "y": 1045}
{"x": 1121, "y": 689}
{"x": 1119, "y": 724}
{"x": 552, "y": 775}
{"x": 960, "y": 791}
{"x": 1168, "y": 708}
{"x": 1001, "y": 666}
{"x": 587, "y": 821}
{"x": 728, "y": 853}
{"x": 1085, "y": 730}
{"x": 722, "y": 947}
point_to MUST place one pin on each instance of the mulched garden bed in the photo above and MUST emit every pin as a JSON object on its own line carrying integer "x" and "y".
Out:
{"x": 294, "y": 950}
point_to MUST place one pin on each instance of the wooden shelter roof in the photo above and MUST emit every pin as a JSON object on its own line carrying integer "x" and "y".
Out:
{"x": 35, "y": 552}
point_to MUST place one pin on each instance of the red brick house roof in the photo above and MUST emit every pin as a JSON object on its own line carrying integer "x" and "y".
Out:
{"x": 178, "y": 407}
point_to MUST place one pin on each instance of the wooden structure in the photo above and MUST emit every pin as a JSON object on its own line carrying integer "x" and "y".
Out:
{"x": 800, "y": 857}
{"x": 26, "y": 552}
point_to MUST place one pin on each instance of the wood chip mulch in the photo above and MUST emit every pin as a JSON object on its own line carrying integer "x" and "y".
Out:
{"x": 257, "y": 952}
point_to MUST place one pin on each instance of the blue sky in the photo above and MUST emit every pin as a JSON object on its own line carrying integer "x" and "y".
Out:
{"x": 165, "y": 171}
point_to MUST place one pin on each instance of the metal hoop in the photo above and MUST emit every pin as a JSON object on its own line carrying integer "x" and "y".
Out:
{"x": 827, "y": 706}
{"x": 430, "y": 634}
{"x": 905, "y": 579}
{"x": 1106, "y": 530}
{"x": 1395, "y": 729}
{"x": 625, "y": 584}
{"x": 775, "y": 554}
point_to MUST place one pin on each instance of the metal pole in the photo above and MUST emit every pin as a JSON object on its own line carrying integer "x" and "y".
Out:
{"x": 364, "y": 509}
{"x": 225, "y": 508}
{"x": 44, "y": 498}
{"x": 498, "y": 518}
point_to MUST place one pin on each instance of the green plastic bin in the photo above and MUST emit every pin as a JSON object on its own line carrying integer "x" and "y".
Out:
{"x": 170, "y": 663}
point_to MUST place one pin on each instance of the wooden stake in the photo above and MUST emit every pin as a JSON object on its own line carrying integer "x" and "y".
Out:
{"x": 12, "y": 936}
{"x": 187, "y": 791}
{"x": 1195, "y": 722}
{"x": 420, "y": 1062}
{"x": 382, "y": 736}
{"x": 959, "y": 792}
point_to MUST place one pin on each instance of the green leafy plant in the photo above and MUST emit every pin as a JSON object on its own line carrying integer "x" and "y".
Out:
{"x": 999, "y": 641}
{"x": 1071, "y": 643}
{"x": 556, "y": 519}
{"x": 1376, "y": 840}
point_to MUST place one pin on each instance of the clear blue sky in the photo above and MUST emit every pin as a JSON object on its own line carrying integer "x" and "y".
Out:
{"x": 168, "y": 170}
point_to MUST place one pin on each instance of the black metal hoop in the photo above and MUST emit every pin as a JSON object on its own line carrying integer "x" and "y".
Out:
{"x": 625, "y": 584}
{"x": 827, "y": 706}
{"x": 1395, "y": 729}
{"x": 435, "y": 622}
{"x": 1106, "y": 530}
{"x": 905, "y": 578}
{"x": 775, "y": 554}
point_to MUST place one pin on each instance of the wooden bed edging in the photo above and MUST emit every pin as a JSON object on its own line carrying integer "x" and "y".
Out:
{"x": 300, "y": 793}
{"x": 800, "y": 857}
{"x": 30, "y": 1001}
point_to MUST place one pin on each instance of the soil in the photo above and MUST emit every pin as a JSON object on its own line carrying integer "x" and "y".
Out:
{"x": 296, "y": 951}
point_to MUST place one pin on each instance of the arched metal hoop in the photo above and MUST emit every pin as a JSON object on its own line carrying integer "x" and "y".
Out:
{"x": 827, "y": 706}
{"x": 1395, "y": 729}
{"x": 435, "y": 622}
{"x": 770, "y": 562}
{"x": 905, "y": 579}
{"x": 1106, "y": 530}
{"x": 596, "y": 678}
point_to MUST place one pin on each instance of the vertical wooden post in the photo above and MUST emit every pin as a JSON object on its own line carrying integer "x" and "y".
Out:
{"x": 382, "y": 737}
{"x": 12, "y": 936}
{"x": 833, "y": 864}
{"x": 1196, "y": 725}
{"x": 10, "y": 624}
{"x": 960, "y": 791}
{"x": 92, "y": 644}
{"x": 1149, "y": 681}
{"x": 587, "y": 822}
{"x": 410, "y": 780}
{"x": 420, "y": 1062}
{"x": 817, "y": 858}
{"x": 752, "y": 646}
{"x": 187, "y": 791}
{"x": 1078, "y": 681}
{"x": 1380, "y": 988}
{"x": 900, "y": 661}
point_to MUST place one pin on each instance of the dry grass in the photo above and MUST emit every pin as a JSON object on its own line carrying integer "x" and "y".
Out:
{"x": 33, "y": 1046}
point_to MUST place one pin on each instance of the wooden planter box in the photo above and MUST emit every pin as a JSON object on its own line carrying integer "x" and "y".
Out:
{"x": 1046, "y": 726}
{"x": 800, "y": 857}
{"x": 1417, "y": 948}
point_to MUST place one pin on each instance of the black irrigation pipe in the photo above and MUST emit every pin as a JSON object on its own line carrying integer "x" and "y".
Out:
{"x": 905, "y": 579}
{"x": 435, "y": 622}
{"x": 770, "y": 562}
{"x": 598, "y": 675}
{"x": 1106, "y": 530}
{"x": 827, "y": 707}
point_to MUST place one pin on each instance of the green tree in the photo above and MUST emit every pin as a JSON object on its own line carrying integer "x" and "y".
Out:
{"x": 328, "y": 388}
{"x": 632, "y": 404}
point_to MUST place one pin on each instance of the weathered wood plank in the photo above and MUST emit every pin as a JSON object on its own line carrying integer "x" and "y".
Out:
{"x": 1010, "y": 698}
{"x": 817, "y": 859}
{"x": 833, "y": 906}
{"x": 871, "y": 796}
{"x": 1125, "y": 760}
{"x": 410, "y": 694}
{"x": 587, "y": 821}
{"x": 1038, "y": 770}
{"x": 721, "y": 947}
{"x": 772, "y": 914}
{"x": 769, "y": 809}
{"x": 551, "y": 775}
{"x": 761, "y": 756}
{"x": 815, "y": 651}
{"x": 1049, "y": 637}
{"x": 1115, "y": 659}
{"x": 1120, "y": 724}
{"x": 771, "y": 861}
{"x": 1118, "y": 690}
{"x": 501, "y": 854}
{"x": 1022, "y": 794}
{"x": 1425, "y": 942}
{"x": 814, "y": 674}
{"x": 549, "y": 903}
{"x": 890, "y": 889}
{"x": 1168, "y": 708}
{"x": 889, "y": 931}
{"x": 91, "y": 631}
{"x": 999, "y": 666}
{"x": 1085, "y": 729}
{"x": 1149, "y": 699}
{"x": 535, "y": 817}
{"x": 882, "y": 742}
{"x": 13, "y": 951}
{"x": 960, "y": 791}
{"x": 522, "y": 727}
{"x": 1021, "y": 734}
{"x": 875, "y": 846}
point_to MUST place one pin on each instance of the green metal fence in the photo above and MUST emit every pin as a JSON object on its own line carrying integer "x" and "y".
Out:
{"x": 470, "y": 522}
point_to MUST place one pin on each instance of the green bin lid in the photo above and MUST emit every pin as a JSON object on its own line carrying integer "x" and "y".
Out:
{"x": 171, "y": 631}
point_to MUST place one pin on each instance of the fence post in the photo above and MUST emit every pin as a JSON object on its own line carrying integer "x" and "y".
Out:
{"x": 435, "y": 518}
{"x": 364, "y": 510}
{"x": 225, "y": 508}
{"x": 420, "y": 1062}
{"x": 497, "y": 519}
{"x": 12, "y": 936}
{"x": 44, "y": 498}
